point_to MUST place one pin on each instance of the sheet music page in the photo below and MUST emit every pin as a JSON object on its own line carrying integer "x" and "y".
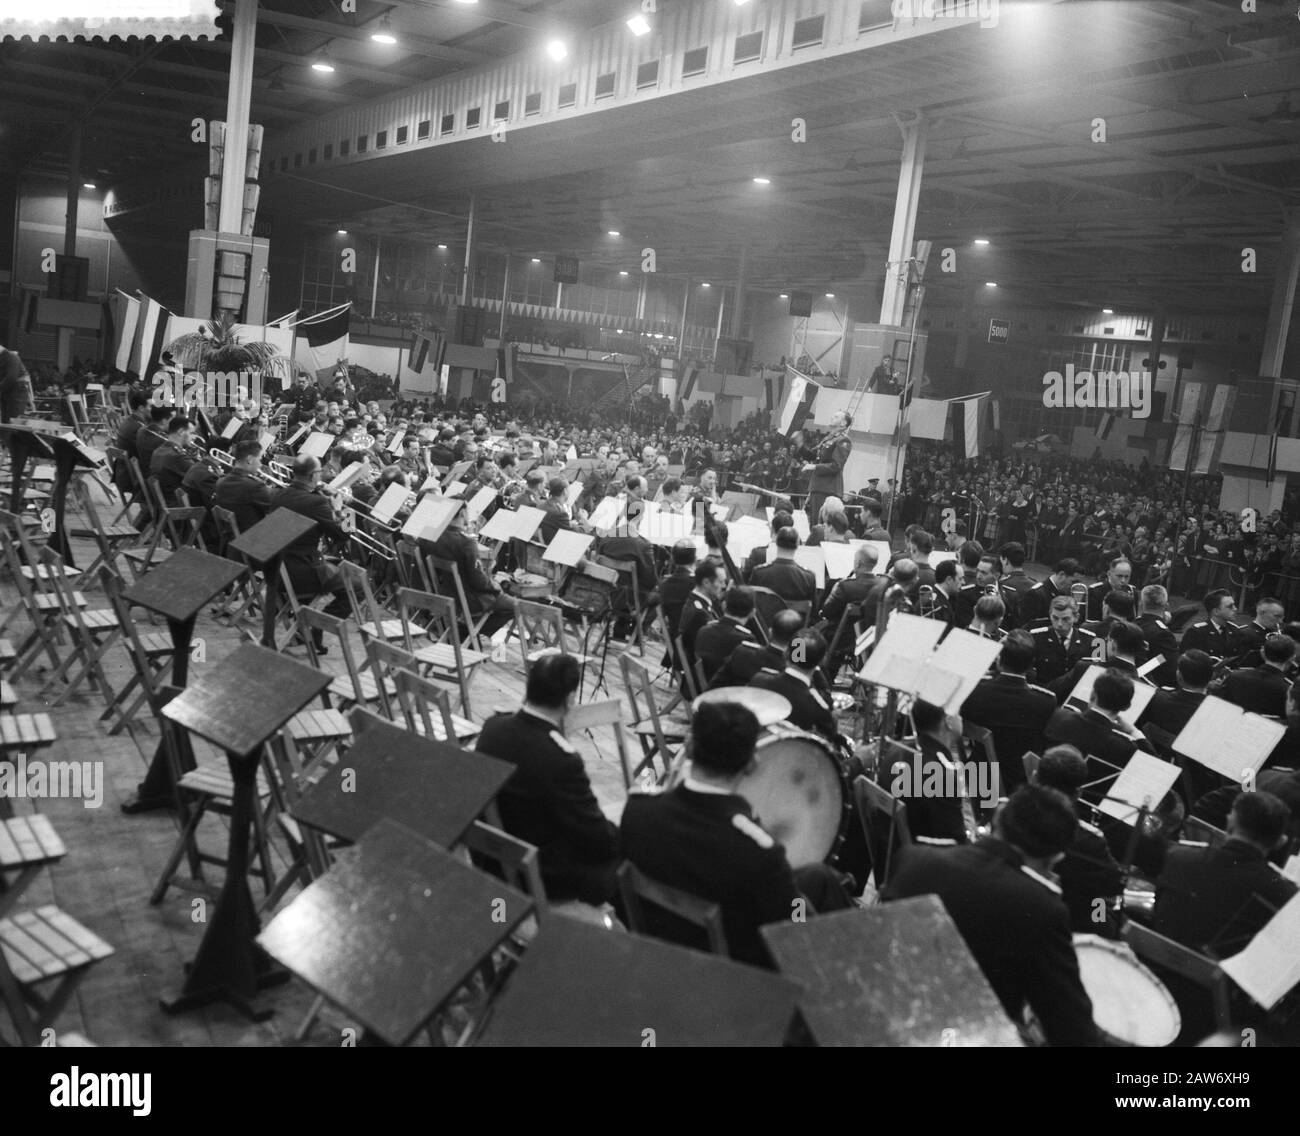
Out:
{"x": 266, "y": 440}
{"x": 349, "y": 474}
{"x": 480, "y": 501}
{"x": 433, "y": 481}
{"x": 608, "y": 514}
{"x": 454, "y": 473}
{"x": 1223, "y": 737}
{"x": 883, "y": 553}
{"x": 1291, "y": 869}
{"x": 429, "y": 519}
{"x": 390, "y": 501}
{"x": 1150, "y": 665}
{"x": 317, "y": 445}
{"x": 801, "y": 525}
{"x": 937, "y": 558}
{"x": 1142, "y": 694}
{"x": 396, "y": 444}
{"x": 814, "y": 560}
{"x": 455, "y": 489}
{"x": 1270, "y": 965}
{"x": 839, "y": 560}
{"x": 529, "y": 519}
{"x": 901, "y": 653}
{"x": 572, "y": 494}
{"x": 961, "y": 656}
{"x": 1143, "y": 781}
{"x": 298, "y": 433}
{"x": 500, "y": 526}
{"x": 663, "y": 528}
{"x": 720, "y": 512}
{"x": 232, "y": 427}
{"x": 747, "y": 534}
{"x": 567, "y": 548}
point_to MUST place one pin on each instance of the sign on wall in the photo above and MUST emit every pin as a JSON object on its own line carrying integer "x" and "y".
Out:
{"x": 999, "y": 330}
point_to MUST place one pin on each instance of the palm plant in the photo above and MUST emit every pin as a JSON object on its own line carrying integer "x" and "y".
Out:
{"x": 216, "y": 346}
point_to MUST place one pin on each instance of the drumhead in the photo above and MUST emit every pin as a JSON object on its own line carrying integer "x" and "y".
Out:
{"x": 1130, "y": 1005}
{"x": 797, "y": 794}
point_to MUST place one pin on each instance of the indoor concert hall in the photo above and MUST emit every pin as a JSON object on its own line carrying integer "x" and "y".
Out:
{"x": 650, "y": 523}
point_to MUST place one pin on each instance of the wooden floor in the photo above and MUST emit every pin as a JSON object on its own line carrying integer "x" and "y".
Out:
{"x": 114, "y": 860}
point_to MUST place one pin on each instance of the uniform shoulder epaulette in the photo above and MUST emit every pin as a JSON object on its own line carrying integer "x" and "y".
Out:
{"x": 817, "y": 697}
{"x": 1123, "y": 734}
{"x": 560, "y": 740}
{"x": 1203, "y": 623}
{"x": 755, "y": 832}
{"x": 1039, "y": 630}
{"x": 1051, "y": 885}
{"x": 1040, "y": 689}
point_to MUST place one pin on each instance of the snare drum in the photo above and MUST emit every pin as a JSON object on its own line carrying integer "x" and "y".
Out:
{"x": 1130, "y": 1005}
{"x": 799, "y": 794}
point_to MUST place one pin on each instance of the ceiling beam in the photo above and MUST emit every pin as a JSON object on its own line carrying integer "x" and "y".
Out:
{"x": 488, "y": 10}
{"x": 343, "y": 66}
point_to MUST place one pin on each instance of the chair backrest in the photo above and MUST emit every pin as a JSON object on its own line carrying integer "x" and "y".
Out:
{"x": 420, "y": 699}
{"x": 97, "y": 530}
{"x": 850, "y": 614}
{"x": 61, "y": 587}
{"x": 1194, "y": 828}
{"x": 587, "y": 715}
{"x": 1160, "y": 951}
{"x": 766, "y": 604}
{"x": 112, "y": 585}
{"x": 690, "y": 675}
{"x": 884, "y": 823}
{"x": 640, "y": 691}
{"x": 385, "y": 660}
{"x": 637, "y": 889}
{"x": 411, "y": 569}
{"x": 365, "y": 608}
{"x": 539, "y": 626}
{"x": 227, "y": 527}
{"x": 450, "y": 568}
{"x": 981, "y": 736}
{"x": 515, "y": 860}
{"x": 309, "y": 620}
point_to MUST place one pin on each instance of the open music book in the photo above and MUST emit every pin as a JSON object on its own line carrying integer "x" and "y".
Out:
{"x": 955, "y": 669}
{"x": 1145, "y": 780}
{"x": 430, "y": 518}
{"x": 659, "y": 526}
{"x": 1269, "y": 967}
{"x": 1142, "y": 694}
{"x": 317, "y": 445}
{"x": 745, "y": 535}
{"x": 390, "y": 502}
{"x": 567, "y": 547}
{"x": 478, "y": 504}
{"x": 1228, "y": 739}
{"x": 608, "y": 514}
{"x": 901, "y": 653}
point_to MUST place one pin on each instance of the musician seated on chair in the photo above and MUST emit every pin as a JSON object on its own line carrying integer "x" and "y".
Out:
{"x": 932, "y": 784}
{"x": 1090, "y": 876}
{"x": 701, "y": 605}
{"x": 987, "y": 621}
{"x": 1247, "y": 642}
{"x": 172, "y": 460}
{"x": 548, "y": 800}
{"x": 796, "y": 682}
{"x": 482, "y": 593}
{"x": 241, "y": 490}
{"x": 789, "y": 580}
{"x": 1124, "y": 645}
{"x": 702, "y": 838}
{"x": 1213, "y": 635}
{"x": 715, "y": 642}
{"x": 1001, "y": 894}
{"x": 1099, "y": 732}
{"x": 852, "y": 590}
{"x": 678, "y": 584}
{"x": 750, "y": 658}
{"x": 781, "y": 518}
{"x": 1170, "y": 710}
{"x": 1263, "y": 689}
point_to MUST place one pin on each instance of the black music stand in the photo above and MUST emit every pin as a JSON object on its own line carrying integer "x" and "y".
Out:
{"x": 393, "y": 930}
{"x": 435, "y": 789}
{"x": 264, "y": 546}
{"x": 29, "y": 438}
{"x": 895, "y": 975}
{"x": 177, "y": 590}
{"x": 237, "y": 706}
{"x": 580, "y": 984}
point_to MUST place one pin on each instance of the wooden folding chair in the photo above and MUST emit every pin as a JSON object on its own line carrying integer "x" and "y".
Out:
{"x": 690, "y": 677}
{"x": 352, "y": 688}
{"x": 1202, "y": 831}
{"x": 637, "y": 889}
{"x": 656, "y": 732}
{"x": 474, "y": 624}
{"x": 151, "y": 656}
{"x": 373, "y": 620}
{"x": 442, "y": 655}
{"x": 766, "y": 605}
{"x": 29, "y": 551}
{"x": 427, "y": 709}
{"x": 540, "y": 629}
{"x": 91, "y": 634}
{"x": 1160, "y": 951}
{"x": 43, "y": 611}
{"x": 627, "y": 578}
{"x": 1030, "y": 760}
{"x": 607, "y": 713}
{"x": 884, "y": 824}
{"x": 109, "y": 539}
{"x": 243, "y": 601}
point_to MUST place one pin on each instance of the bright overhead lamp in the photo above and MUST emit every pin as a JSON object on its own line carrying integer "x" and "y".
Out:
{"x": 830, "y": 295}
{"x": 88, "y": 185}
{"x": 706, "y": 284}
{"x": 1108, "y": 311}
{"x": 532, "y": 260}
{"x": 982, "y": 242}
{"x": 443, "y": 248}
{"x": 741, "y": 3}
{"x": 762, "y": 181}
{"x": 384, "y": 33}
{"x": 342, "y": 232}
{"x": 990, "y": 283}
{"x": 638, "y": 25}
{"x": 558, "y": 50}
{"x": 622, "y": 271}
{"x": 784, "y": 296}
{"x": 322, "y": 63}
{"x": 614, "y": 233}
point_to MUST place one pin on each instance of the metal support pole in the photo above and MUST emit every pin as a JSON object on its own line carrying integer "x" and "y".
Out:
{"x": 686, "y": 301}
{"x": 1282, "y": 303}
{"x": 234, "y": 166}
{"x": 374, "y": 287}
{"x": 505, "y": 299}
{"x": 894, "y": 299}
{"x": 469, "y": 250}
{"x": 63, "y": 340}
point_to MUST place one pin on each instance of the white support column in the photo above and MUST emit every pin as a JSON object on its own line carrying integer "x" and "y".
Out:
{"x": 239, "y": 96}
{"x": 374, "y": 286}
{"x": 469, "y": 251}
{"x": 901, "y": 237}
{"x": 681, "y": 332}
{"x": 63, "y": 338}
{"x": 1282, "y": 305}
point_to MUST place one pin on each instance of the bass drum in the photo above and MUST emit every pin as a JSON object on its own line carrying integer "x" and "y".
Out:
{"x": 799, "y": 794}
{"x": 1130, "y": 1005}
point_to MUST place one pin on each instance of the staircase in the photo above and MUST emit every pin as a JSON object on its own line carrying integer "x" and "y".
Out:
{"x": 626, "y": 387}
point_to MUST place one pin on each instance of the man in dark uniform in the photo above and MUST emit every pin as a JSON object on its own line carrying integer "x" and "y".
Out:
{"x": 1098, "y": 732}
{"x": 1118, "y": 575}
{"x": 702, "y": 838}
{"x": 1059, "y": 646}
{"x": 309, "y": 572}
{"x": 1088, "y": 872}
{"x": 241, "y": 491}
{"x": 1000, "y": 893}
{"x": 133, "y": 423}
{"x": 757, "y": 557}
{"x": 548, "y": 800}
{"x": 1014, "y": 578}
{"x": 151, "y": 436}
{"x": 700, "y": 607}
{"x": 715, "y": 642}
{"x": 750, "y": 658}
{"x": 557, "y": 514}
{"x": 1213, "y": 635}
{"x": 1036, "y": 603}
{"x": 1016, "y": 711}
{"x": 305, "y": 398}
{"x": 1123, "y": 646}
{"x": 1247, "y": 642}
{"x": 809, "y": 709}
{"x": 482, "y": 593}
{"x": 827, "y": 468}
{"x": 932, "y": 817}
{"x": 789, "y": 580}
{"x": 852, "y": 591}
{"x": 1263, "y": 689}
{"x": 172, "y": 460}
{"x": 677, "y": 585}
{"x": 1159, "y": 638}
{"x": 872, "y": 528}
{"x": 1171, "y": 710}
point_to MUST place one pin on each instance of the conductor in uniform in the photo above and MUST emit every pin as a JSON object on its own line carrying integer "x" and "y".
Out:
{"x": 548, "y": 800}
{"x": 827, "y": 467}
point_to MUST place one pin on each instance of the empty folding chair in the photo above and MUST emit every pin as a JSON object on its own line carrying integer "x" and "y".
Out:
{"x": 433, "y": 637}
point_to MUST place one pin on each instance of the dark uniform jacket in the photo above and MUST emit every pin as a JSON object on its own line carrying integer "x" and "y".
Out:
{"x": 1261, "y": 690}
{"x": 1089, "y": 872}
{"x": 850, "y": 590}
{"x": 303, "y": 555}
{"x": 1206, "y": 895}
{"x": 710, "y": 845}
{"x": 1016, "y": 925}
{"x": 1246, "y": 644}
{"x": 462, "y": 549}
{"x": 1093, "y": 735}
{"x": 248, "y": 497}
{"x": 130, "y": 429}
{"x": 147, "y": 440}
{"x": 791, "y": 581}
{"x": 1160, "y": 641}
{"x": 1205, "y": 636}
{"x": 696, "y": 612}
{"x": 933, "y": 817}
{"x": 1097, "y": 594}
{"x": 1036, "y": 603}
{"x": 1064, "y": 686}
{"x": 715, "y": 642}
{"x": 1017, "y": 713}
{"x": 555, "y": 518}
{"x": 169, "y": 465}
{"x": 746, "y": 661}
{"x": 809, "y": 709}
{"x": 673, "y": 591}
{"x": 1053, "y": 656}
{"x": 828, "y": 472}
{"x": 640, "y": 552}
{"x": 549, "y": 803}
{"x": 1171, "y": 710}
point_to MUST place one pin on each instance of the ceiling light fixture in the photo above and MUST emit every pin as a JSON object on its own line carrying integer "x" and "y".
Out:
{"x": 990, "y": 283}
{"x": 638, "y": 24}
{"x": 706, "y": 284}
{"x": 87, "y": 185}
{"x": 384, "y": 33}
{"x": 558, "y": 50}
{"x": 1108, "y": 311}
{"x": 342, "y": 232}
{"x": 830, "y": 295}
{"x": 762, "y": 181}
{"x": 784, "y": 296}
{"x": 622, "y": 271}
{"x": 323, "y": 63}
{"x": 982, "y": 241}
{"x": 534, "y": 260}
{"x": 614, "y": 233}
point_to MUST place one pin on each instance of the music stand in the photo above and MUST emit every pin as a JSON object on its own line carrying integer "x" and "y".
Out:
{"x": 393, "y": 930}
{"x": 49, "y": 439}
{"x": 899, "y": 974}
{"x": 177, "y": 590}
{"x": 435, "y": 789}
{"x": 580, "y": 984}
{"x": 264, "y": 546}
{"x": 237, "y": 706}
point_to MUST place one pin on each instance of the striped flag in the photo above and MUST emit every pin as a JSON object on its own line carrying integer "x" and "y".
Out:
{"x": 128, "y": 316}
{"x": 688, "y": 381}
{"x": 322, "y": 340}
{"x": 969, "y": 417}
{"x": 284, "y": 321}
{"x": 506, "y": 362}
{"x": 798, "y": 404}
{"x": 27, "y": 316}
{"x": 150, "y": 337}
{"x": 418, "y": 351}
{"x": 1104, "y": 424}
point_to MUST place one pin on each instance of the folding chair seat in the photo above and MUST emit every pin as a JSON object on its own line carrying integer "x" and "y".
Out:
{"x": 243, "y": 600}
{"x": 540, "y": 629}
{"x": 109, "y": 538}
{"x": 29, "y": 565}
{"x": 427, "y": 710}
{"x": 638, "y": 890}
{"x": 151, "y": 656}
{"x": 373, "y": 620}
{"x": 657, "y": 734}
{"x": 91, "y": 634}
{"x": 472, "y": 623}
{"x": 442, "y": 655}
{"x": 352, "y": 688}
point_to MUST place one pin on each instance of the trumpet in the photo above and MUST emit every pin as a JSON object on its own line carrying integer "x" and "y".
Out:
{"x": 1079, "y": 593}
